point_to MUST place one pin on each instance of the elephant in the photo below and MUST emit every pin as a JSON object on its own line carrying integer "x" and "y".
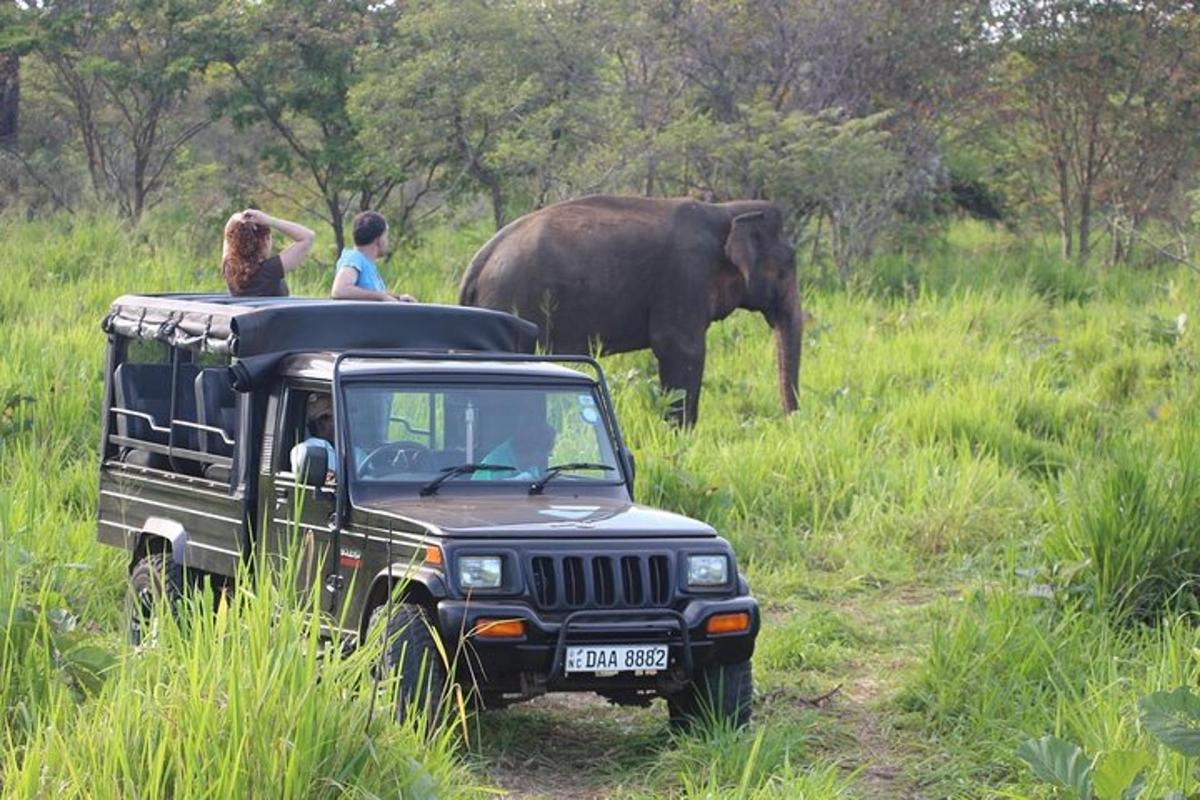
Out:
{"x": 629, "y": 273}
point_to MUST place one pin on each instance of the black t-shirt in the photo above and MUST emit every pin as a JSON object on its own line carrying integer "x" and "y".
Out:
{"x": 266, "y": 281}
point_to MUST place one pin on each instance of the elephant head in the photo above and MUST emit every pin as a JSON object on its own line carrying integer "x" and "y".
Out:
{"x": 763, "y": 279}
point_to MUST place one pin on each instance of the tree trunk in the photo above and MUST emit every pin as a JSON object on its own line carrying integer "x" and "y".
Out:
{"x": 1091, "y": 172}
{"x": 1065, "y": 224}
{"x": 10, "y": 100}
{"x": 497, "y": 194}
{"x": 333, "y": 202}
{"x": 1085, "y": 226}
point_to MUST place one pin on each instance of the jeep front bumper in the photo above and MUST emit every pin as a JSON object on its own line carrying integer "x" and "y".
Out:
{"x": 510, "y": 664}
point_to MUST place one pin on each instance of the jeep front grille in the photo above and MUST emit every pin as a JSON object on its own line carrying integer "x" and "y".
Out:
{"x": 563, "y": 582}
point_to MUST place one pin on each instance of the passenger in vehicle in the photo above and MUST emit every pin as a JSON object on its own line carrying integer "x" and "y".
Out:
{"x": 247, "y": 263}
{"x": 357, "y": 276}
{"x": 319, "y": 421}
{"x": 526, "y": 449}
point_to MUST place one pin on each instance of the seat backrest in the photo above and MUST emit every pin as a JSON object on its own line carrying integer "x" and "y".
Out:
{"x": 216, "y": 406}
{"x": 147, "y": 388}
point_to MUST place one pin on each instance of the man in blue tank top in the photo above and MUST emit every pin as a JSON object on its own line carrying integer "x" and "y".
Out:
{"x": 356, "y": 276}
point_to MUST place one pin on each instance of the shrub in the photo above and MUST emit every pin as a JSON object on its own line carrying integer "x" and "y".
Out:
{"x": 1133, "y": 524}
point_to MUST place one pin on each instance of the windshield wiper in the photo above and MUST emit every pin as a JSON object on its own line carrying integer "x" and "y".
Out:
{"x": 461, "y": 469}
{"x": 553, "y": 472}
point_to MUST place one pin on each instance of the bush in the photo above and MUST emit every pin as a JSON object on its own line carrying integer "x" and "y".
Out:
{"x": 1132, "y": 525}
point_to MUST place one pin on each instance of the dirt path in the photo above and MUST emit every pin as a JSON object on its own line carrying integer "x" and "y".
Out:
{"x": 568, "y": 746}
{"x": 579, "y": 747}
{"x": 872, "y": 752}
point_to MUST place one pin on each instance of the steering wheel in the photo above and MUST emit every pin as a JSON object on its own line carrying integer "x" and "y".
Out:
{"x": 402, "y": 456}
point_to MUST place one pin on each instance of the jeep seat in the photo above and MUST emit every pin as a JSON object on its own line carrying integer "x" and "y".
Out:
{"x": 146, "y": 388}
{"x": 216, "y": 406}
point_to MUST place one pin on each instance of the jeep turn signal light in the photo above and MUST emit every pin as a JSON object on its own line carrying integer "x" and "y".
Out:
{"x": 499, "y": 628}
{"x": 728, "y": 623}
{"x": 433, "y": 555}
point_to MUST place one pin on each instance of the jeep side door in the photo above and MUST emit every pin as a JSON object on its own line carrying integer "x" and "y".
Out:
{"x": 298, "y": 518}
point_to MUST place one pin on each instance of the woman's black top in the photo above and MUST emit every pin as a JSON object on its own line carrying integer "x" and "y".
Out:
{"x": 266, "y": 281}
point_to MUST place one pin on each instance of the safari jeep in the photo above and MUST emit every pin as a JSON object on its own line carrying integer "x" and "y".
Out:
{"x": 436, "y": 479}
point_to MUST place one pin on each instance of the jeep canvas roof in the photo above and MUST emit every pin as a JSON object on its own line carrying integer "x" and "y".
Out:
{"x": 251, "y": 326}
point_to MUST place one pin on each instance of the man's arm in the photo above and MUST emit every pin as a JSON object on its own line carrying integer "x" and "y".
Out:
{"x": 344, "y": 288}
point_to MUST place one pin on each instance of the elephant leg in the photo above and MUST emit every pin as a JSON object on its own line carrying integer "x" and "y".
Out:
{"x": 680, "y": 366}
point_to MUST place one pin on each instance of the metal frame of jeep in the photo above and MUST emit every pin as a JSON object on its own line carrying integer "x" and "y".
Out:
{"x": 207, "y": 496}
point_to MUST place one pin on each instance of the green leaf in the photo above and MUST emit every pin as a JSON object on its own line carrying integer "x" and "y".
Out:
{"x": 1116, "y": 773}
{"x": 87, "y": 666}
{"x": 1174, "y": 719}
{"x": 1135, "y": 789}
{"x": 1060, "y": 763}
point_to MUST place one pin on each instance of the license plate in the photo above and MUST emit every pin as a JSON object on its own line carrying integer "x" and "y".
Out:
{"x": 609, "y": 659}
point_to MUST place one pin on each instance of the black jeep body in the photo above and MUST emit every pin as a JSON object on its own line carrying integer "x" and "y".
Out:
{"x": 538, "y": 577}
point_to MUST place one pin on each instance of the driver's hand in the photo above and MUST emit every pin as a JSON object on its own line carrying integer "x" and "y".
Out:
{"x": 330, "y": 477}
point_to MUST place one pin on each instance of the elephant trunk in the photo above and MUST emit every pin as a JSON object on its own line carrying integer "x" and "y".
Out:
{"x": 788, "y": 322}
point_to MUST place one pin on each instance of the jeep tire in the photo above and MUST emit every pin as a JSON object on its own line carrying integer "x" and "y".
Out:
{"x": 155, "y": 580}
{"x": 719, "y": 692}
{"x": 410, "y": 648}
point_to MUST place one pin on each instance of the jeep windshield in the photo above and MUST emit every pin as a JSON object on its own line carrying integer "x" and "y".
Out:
{"x": 417, "y": 433}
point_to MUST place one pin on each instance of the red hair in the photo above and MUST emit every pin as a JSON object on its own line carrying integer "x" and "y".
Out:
{"x": 245, "y": 245}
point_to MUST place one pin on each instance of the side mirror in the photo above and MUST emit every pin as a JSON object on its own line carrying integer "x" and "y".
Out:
{"x": 310, "y": 462}
{"x": 631, "y": 466}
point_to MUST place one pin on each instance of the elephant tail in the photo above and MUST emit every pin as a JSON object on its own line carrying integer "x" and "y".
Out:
{"x": 468, "y": 290}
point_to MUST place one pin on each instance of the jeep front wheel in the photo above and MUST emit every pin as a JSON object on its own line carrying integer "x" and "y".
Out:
{"x": 155, "y": 581}
{"x": 409, "y": 648}
{"x": 719, "y": 692}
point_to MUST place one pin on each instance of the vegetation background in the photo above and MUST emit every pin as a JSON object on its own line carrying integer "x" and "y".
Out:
{"x": 980, "y": 527}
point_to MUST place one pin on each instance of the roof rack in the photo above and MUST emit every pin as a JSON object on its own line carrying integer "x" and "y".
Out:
{"x": 251, "y": 326}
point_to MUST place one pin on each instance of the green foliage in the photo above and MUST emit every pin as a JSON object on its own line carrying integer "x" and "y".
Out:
{"x": 490, "y": 96}
{"x": 290, "y": 67}
{"x": 1061, "y": 764}
{"x": 919, "y": 522}
{"x": 242, "y": 701}
{"x": 46, "y": 661}
{"x": 1174, "y": 719}
{"x": 126, "y": 70}
{"x": 1120, "y": 774}
{"x": 1095, "y": 96}
{"x": 1131, "y": 520}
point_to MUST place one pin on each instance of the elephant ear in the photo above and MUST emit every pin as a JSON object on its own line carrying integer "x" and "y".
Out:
{"x": 743, "y": 246}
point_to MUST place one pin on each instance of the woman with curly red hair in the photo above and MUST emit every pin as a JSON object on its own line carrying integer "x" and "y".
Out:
{"x": 246, "y": 260}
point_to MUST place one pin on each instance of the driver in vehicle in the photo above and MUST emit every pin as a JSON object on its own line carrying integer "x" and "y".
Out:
{"x": 525, "y": 450}
{"x": 319, "y": 421}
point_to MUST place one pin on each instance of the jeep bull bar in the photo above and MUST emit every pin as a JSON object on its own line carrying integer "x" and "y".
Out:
{"x": 615, "y": 620}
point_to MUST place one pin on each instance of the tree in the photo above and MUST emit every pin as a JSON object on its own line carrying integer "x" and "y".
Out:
{"x": 10, "y": 84}
{"x": 291, "y": 66}
{"x": 125, "y": 70}
{"x": 496, "y": 94}
{"x": 1093, "y": 88}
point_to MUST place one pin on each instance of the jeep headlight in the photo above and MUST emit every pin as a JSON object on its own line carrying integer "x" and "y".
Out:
{"x": 707, "y": 570}
{"x": 479, "y": 572}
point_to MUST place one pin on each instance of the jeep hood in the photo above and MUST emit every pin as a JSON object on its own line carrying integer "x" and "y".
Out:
{"x": 538, "y": 516}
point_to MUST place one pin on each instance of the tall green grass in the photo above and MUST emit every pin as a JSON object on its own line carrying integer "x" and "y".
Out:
{"x": 245, "y": 700}
{"x": 1130, "y": 527}
{"x": 977, "y": 419}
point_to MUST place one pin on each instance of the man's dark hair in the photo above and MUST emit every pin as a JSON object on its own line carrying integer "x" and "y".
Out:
{"x": 368, "y": 226}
